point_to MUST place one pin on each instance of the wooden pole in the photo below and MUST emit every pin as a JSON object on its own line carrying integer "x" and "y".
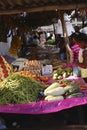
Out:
{"x": 68, "y": 49}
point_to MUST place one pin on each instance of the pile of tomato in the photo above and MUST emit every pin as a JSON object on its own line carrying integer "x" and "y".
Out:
{"x": 5, "y": 69}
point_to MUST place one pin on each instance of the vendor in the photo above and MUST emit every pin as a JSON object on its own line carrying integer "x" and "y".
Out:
{"x": 81, "y": 39}
{"x": 74, "y": 47}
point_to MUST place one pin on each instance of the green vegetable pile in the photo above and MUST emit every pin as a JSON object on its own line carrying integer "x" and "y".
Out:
{"x": 73, "y": 90}
{"x": 62, "y": 73}
{"x": 18, "y": 89}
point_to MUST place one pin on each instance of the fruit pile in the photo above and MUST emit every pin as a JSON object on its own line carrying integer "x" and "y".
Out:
{"x": 33, "y": 66}
{"x": 5, "y": 68}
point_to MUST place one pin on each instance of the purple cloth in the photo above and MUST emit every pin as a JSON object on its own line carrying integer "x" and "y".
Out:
{"x": 43, "y": 107}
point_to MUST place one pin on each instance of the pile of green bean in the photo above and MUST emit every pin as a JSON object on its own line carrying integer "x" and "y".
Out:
{"x": 18, "y": 89}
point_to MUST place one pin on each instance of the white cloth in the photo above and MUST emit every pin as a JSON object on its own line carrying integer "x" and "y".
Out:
{"x": 4, "y": 47}
{"x": 83, "y": 30}
{"x": 69, "y": 27}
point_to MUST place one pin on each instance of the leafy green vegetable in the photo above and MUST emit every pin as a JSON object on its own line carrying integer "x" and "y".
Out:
{"x": 72, "y": 88}
{"x": 18, "y": 89}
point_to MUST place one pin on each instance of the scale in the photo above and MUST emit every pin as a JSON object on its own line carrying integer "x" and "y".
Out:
{"x": 19, "y": 64}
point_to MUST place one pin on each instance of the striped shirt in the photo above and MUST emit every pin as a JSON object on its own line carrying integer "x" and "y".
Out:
{"x": 75, "y": 50}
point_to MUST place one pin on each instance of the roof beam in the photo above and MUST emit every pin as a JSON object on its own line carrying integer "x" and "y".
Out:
{"x": 44, "y": 8}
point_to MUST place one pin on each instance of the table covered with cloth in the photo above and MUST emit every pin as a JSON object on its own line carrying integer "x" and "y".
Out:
{"x": 44, "y": 107}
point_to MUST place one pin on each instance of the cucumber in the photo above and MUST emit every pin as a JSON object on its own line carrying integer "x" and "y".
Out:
{"x": 52, "y": 86}
{"x": 52, "y": 98}
{"x": 55, "y": 92}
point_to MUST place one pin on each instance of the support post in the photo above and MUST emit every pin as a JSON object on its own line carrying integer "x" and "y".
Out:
{"x": 68, "y": 49}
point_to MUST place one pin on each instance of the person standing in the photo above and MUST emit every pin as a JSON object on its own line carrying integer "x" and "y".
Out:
{"x": 16, "y": 43}
{"x": 81, "y": 39}
{"x": 74, "y": 47}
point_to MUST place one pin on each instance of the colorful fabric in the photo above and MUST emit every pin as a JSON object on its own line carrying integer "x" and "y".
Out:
{"x": 15, "y": 45}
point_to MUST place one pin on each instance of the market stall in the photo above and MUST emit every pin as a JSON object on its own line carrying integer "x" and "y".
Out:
{"x": 38, "y": 13}
{"x": 43, "y": 107}
{"x": 15, "y": 84}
